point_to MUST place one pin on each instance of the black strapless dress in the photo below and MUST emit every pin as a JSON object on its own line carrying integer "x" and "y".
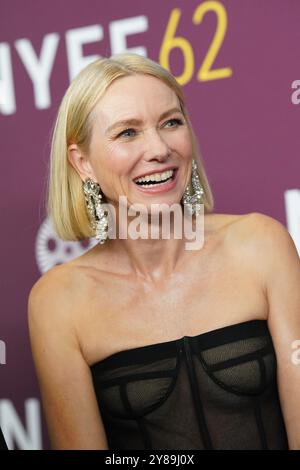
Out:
{"x": 217, "y": 390}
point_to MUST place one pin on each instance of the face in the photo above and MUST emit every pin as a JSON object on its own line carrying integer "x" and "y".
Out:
{"x": 155, "y": 144}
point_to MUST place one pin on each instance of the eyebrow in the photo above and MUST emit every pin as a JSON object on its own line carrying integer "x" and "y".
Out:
{"x": 136, "y": 122}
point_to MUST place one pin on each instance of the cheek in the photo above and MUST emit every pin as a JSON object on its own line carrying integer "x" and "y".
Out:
{"x": 111, "y": 158}
{"x": 121, "y": 159}
{"x": 124, "y": 156}
{"x": 182, "y": 143}
{"x": 113, "y": 164}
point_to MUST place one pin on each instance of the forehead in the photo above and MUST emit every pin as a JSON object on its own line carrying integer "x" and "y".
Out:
{"x": 135, "y": 96}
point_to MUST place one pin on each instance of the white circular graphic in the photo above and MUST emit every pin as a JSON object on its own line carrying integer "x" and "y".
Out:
{"x": 50, "y": 250}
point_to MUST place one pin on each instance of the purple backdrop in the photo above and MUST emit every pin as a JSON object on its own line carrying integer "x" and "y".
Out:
{"x": 247, "y": 124}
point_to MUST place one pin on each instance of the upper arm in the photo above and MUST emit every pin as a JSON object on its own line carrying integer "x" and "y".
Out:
{"x": 280, "y": 265}
{"x": 69, "y": 401}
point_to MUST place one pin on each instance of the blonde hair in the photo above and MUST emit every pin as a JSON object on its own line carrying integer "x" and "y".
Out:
{"x": 65, "y": 203}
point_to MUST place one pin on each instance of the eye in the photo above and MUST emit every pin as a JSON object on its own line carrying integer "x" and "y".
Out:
{"x": 124, "y": 133}
{"x": 178, "y": 122}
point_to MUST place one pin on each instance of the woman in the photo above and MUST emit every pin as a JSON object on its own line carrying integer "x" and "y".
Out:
{"x": 141, "y": 343}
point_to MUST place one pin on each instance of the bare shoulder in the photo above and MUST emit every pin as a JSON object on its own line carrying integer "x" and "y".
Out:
{"x": 52, "y": 298}
{"x": 259, "y": 229}
{"x": 252, "y": 236}
{"x": 273, "y": 244}
{"x": 225, "y": 226}
{"x": 51, "y": 283}
{"x": 264, "y": 241}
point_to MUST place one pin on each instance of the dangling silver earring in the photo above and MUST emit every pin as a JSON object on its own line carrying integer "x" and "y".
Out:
{"x": 190, "y": 201}
{"x": 97, "y": 215}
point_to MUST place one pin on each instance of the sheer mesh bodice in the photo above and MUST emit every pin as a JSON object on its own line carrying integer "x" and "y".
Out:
{"x": 217, "y": 390}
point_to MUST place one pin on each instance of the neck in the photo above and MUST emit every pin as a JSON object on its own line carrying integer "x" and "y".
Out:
{"x": 150, "y": 259}
{"x": 155, "y": 259}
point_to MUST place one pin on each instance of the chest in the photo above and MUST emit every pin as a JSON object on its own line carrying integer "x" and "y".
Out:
{"x": 201, "y": 298}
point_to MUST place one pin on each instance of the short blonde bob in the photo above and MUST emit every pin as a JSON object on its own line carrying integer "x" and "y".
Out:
{"x": 65, "y": 203}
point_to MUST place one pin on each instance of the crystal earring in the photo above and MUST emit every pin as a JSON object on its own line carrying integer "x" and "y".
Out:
{"x": 191, "y": 201}
{"x": 97, "y": 215}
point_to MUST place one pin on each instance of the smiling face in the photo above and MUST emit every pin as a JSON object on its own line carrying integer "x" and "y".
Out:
{"x": 154, "y": 138}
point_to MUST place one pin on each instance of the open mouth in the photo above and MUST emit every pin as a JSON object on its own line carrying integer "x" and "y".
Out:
{"x": 156, "y": 179}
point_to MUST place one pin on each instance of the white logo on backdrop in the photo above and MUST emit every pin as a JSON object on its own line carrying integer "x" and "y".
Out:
{"x": 292, "y": 208}
{"x": 50, "y": 250}
{"x": 39, "y": 68}
{"x": 26, "y": 436}
{"x": 2, "y": 352}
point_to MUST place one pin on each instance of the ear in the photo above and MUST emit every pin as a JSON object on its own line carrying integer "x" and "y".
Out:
{"x": 81, "y": 163}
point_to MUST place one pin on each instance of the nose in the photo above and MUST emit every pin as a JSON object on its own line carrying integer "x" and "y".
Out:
{"x": 156, "y": 147}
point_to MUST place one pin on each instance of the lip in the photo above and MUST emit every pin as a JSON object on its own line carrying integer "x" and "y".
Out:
{"x": 158, "y": 170}
{"x": 161, "y": 188}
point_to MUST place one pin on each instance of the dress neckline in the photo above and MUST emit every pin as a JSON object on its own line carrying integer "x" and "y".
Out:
{"x": 211, "y": 338}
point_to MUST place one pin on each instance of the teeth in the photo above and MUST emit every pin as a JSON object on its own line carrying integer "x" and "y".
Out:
{"x": 156, "y": 177}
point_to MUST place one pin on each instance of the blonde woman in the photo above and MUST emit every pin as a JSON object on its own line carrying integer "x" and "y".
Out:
{"x": 141, "y": 343}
